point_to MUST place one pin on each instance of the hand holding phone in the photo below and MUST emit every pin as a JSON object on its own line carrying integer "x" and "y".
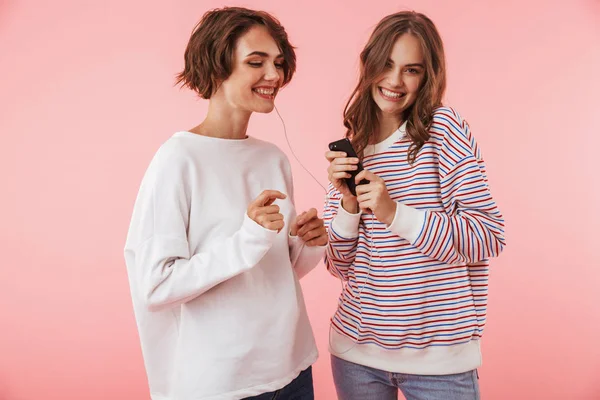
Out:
{"x": 344, "y": 166}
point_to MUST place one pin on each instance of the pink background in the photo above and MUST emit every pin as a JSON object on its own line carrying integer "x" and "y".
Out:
{"x": 87, "y": 96}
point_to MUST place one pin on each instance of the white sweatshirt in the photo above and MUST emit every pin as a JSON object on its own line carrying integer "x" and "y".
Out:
{"x": 216, "y": 296}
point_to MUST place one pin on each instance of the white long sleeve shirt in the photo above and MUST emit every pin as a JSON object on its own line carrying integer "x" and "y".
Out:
{"x": 219, "y": 308}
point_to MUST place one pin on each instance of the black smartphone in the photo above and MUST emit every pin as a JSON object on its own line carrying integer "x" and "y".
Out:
{"x": 345, "y": 145}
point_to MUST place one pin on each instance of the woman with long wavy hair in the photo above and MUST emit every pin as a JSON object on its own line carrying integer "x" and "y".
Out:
{"x": 413, "y": 245}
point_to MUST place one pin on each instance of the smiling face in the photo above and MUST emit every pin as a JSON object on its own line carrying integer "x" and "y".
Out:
{"x": 396, "y": 89}
{"x": 257, "y": 73}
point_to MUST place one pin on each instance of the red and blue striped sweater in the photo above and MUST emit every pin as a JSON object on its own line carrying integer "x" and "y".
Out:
{"x": 416, "y": 292}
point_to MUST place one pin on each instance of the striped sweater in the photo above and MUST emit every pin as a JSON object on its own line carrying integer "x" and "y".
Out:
{"x": 416, "y": 291}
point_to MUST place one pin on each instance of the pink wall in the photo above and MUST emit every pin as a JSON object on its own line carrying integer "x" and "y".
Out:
{"x": 86, "y": 97}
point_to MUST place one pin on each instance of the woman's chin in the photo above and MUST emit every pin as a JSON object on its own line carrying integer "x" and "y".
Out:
{"x": 264, "y": 109}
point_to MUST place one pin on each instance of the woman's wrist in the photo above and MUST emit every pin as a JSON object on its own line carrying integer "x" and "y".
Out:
{"x": 350, "y": 204}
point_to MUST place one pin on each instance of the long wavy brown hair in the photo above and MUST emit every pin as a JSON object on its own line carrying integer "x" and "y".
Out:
{"x": 361, "y": 115}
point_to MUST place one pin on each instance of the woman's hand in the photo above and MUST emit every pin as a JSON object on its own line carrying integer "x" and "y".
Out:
{"x": 265, "y": 213}
{"x": 374, "y": 196}
{"x": 310, "y": 228}
{"x": 339, "y": 166}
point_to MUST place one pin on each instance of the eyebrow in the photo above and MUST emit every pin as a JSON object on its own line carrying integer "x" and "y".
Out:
{"x": 408, "y": 65}
{"x": 262, "y": 54}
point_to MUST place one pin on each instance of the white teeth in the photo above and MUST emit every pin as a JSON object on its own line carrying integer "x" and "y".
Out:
{"x": 394, "y": 95}
{"x": 268, "y": 92}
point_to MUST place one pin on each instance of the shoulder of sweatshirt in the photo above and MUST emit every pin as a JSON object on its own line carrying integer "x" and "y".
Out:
{"x": 174, "y": 149}
{"x": 270, "y": 149}
{"x": 451, "y": 134}
{"x": 448, "y": 124}
{"x": 171, "y": 160}
{"x": 177, "y": 153}
{"x": 271, "y": 153}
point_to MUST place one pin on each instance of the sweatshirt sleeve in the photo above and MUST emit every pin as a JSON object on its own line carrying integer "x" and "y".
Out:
{"x": 303, "y": 258}
{"x": 342, "y": 228}
{"x": 167, "y": 273}
{"x": 471, "y": 227}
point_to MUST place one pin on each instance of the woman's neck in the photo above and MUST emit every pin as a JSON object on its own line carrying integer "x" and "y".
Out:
{"x": 388, "y": 124}
{"x": 223, "y": 122}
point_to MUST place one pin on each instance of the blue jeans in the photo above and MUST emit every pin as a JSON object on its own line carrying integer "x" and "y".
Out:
{"x": 300, "y": 388}
{"x": 357, "y": 382}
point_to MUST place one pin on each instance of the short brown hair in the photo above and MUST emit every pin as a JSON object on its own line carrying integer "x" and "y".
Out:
{"x": 209, "y": 53}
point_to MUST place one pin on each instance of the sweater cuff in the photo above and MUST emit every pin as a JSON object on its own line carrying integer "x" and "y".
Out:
{"x": 345, "y": 224}
{"x": 407, "y": 222}
{"x": 294, "y": 239}
{"x": 257, "y": 230}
